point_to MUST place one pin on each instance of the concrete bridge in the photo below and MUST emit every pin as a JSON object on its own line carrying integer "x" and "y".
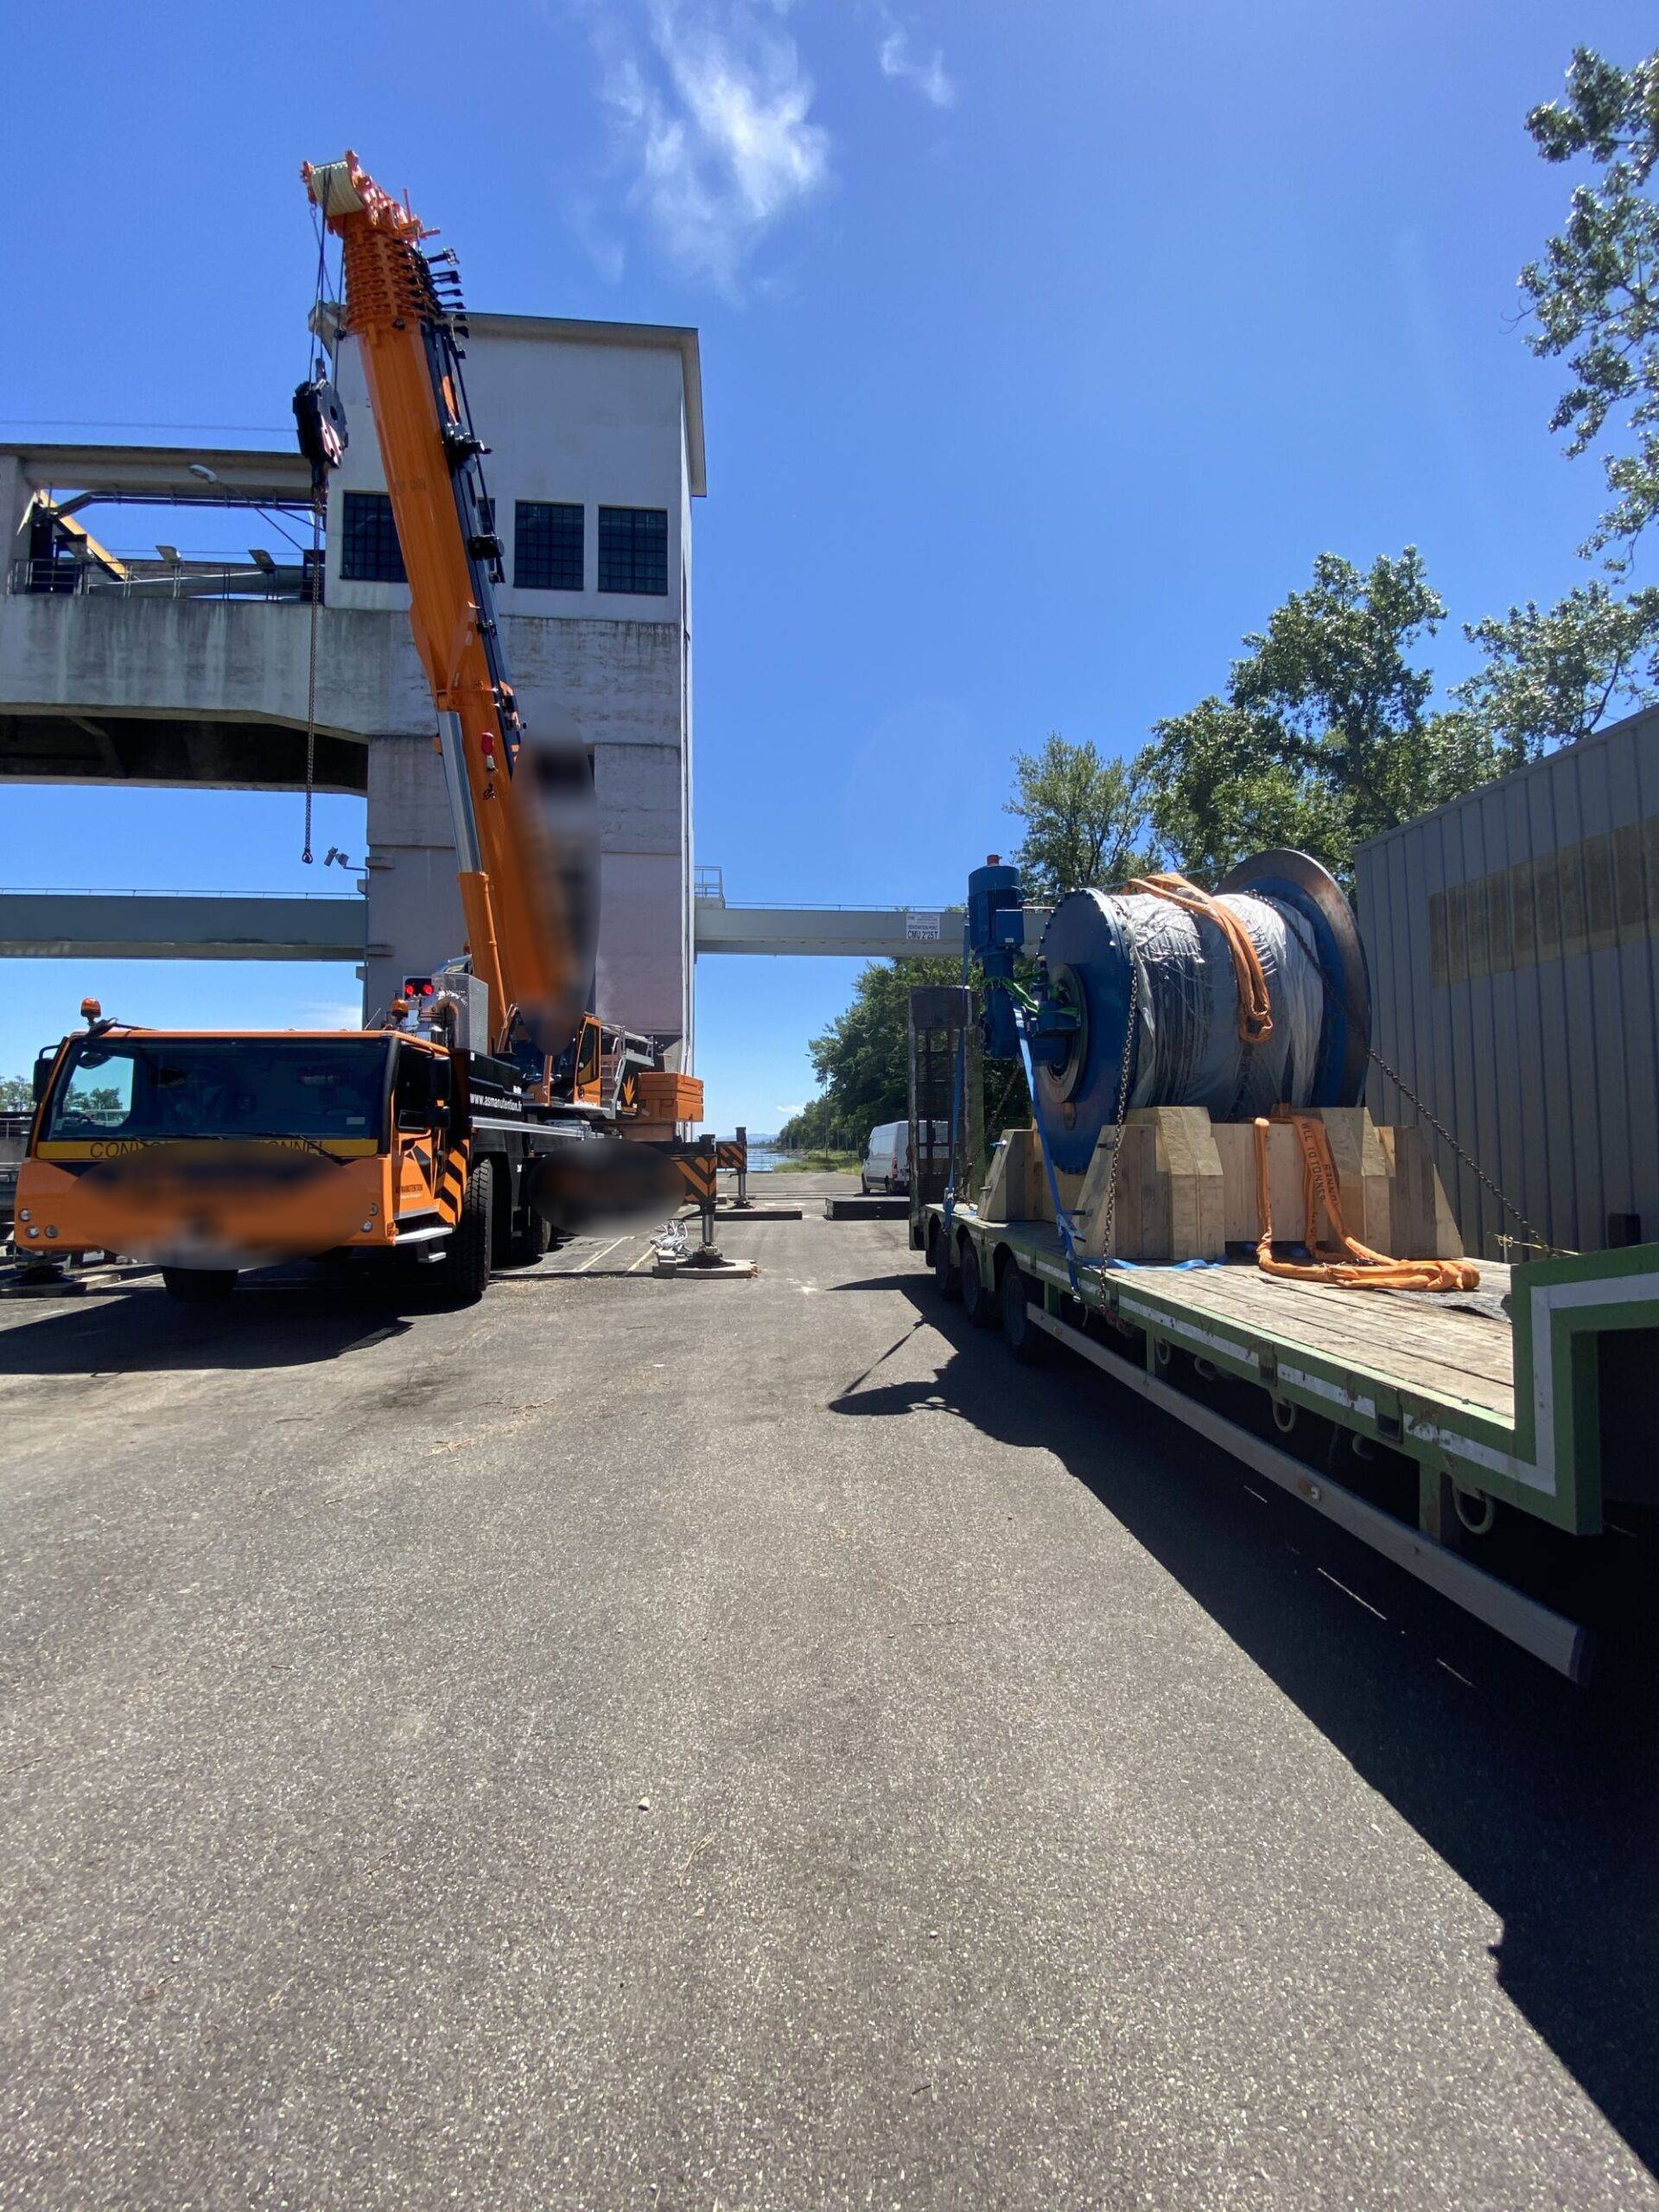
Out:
{"x": 248, "y": 925}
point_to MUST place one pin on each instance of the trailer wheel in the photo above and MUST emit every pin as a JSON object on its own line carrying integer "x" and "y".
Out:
{"x": 977, "y": 1302}
{"x": 946, "y": 1280}
{"x": 1025, "y": 1340}
{"x": 465, "y": 1270}
{"x": 199, "y": 1285}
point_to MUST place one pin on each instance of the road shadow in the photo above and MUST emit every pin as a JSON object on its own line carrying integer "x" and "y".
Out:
{"x": 1543, "y": 1799}
{"x": 282, "y": 1317}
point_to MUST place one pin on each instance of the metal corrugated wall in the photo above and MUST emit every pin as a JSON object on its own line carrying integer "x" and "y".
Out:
{"x": 1513, "y": 938}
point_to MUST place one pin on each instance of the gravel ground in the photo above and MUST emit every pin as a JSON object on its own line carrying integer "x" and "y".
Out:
{"x": 749, "y": 1745}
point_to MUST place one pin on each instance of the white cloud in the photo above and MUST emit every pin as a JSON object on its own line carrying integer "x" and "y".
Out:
{"x": 714, "y": 118}
{"x": 603, "y": 248}
{"x": 329, "y": 1013}
{"x": 929, "y": 76}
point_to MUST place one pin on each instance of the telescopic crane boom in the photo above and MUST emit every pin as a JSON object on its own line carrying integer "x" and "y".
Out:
{"x": 526, "y": 840}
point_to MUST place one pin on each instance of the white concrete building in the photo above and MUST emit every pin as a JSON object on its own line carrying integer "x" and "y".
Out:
{"x": 187, "y": 671}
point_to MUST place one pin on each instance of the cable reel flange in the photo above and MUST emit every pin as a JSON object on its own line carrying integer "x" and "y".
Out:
{"x": 1087, "y": 952}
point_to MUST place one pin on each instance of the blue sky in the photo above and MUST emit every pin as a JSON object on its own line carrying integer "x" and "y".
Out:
{"x": 1044, "y": 347}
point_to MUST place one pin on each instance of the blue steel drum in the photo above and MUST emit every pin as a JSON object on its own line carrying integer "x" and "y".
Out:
{"x": 1186, "y": 1050}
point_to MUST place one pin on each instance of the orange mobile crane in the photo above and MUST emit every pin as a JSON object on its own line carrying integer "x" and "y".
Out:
{"x": 444, "y": 1130}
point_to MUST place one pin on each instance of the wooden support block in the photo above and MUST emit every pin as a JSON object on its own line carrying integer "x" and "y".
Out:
{"x": 1090, "y": 1214}
{"x": 1188, "y": 1159}
{"x": 1362, "y": 1176}
{"x": 1424, "y": 1223}
{"x": 1186, "y": 1186}
{"x": 1002, "y": 1199}
{"x": 1038, "y": 1206}
{"x": 1169, "y": 1198}
{"x": 1236, "y": 1147}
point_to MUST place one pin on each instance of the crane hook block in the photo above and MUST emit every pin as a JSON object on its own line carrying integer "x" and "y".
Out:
{"x": 320, "y": 419}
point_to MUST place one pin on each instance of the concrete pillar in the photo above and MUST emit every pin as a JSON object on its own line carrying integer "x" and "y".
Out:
{"x": 644, "y": 971}
{"x": 414, "y": 916}
{"x": 16, "y": 499}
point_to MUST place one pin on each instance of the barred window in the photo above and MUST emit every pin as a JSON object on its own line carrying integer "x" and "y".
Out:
{"x": 633, "y": 550}
{"x": 547, "y": 545}
{"x": 369, "y": 551}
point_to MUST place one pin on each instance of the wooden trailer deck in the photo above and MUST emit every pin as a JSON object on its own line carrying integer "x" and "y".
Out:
{"x": 1455, "y": 1351}
{"x": 1458, "y": 1351}
{"x": 1493, "y": 1394}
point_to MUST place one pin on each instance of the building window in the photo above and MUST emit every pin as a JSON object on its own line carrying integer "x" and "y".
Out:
{"x": 633, "y": 550}
{"x": 369, "y": 551}
{"x": 547, "y": 545}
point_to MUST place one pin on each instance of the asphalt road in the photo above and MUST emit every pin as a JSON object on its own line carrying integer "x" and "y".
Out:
{"x": 748, "y": 1744}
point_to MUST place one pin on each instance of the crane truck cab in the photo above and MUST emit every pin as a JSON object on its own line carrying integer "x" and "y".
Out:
{"x": 207, "y": 1154}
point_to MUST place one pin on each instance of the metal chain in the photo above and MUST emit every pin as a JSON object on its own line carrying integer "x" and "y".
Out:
{"x": 1534, "y": 1235}
{"x": 1109, "y": 1216}
{"x": 314, "y": 593}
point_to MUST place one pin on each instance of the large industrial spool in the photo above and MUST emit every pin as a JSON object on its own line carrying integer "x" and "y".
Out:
{"x": 1187, "y": 1049}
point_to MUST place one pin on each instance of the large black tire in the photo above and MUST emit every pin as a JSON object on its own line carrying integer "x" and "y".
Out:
{"x": 528, "y": 1244}
{"x": 978, "y": 1299}
{"x": 465, "y": 1273}
{"x": 199, "y": 1285}
{"x": 946, "y": 1280}
{"x": 1024, "y": 1338}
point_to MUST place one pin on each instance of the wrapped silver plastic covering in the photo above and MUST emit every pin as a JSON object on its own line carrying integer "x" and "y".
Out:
{"x": 1186, "y": 1048}
{"x": 1189, "y": 1052}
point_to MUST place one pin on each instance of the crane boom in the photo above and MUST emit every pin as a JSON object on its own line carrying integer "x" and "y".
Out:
{"x": 471, "y": 1118}
{"x": 525, "y": 843}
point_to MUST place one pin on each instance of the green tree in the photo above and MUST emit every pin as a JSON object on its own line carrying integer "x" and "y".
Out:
{"x": 1552, "y": 677}
{"x": 1085, "y": 819}
{"x": 862, "y": 1060}
{"x": 1594, "y": 295}
{"x": 1323, "y": 737}
{"x": 16, "y": 1093}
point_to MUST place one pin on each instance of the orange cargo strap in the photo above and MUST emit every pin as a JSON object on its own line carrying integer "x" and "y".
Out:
{"x": 1255, "y": 1013}
{"x": 1364, "y": 1269}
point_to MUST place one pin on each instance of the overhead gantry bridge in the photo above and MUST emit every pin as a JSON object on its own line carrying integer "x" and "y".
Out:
{"x": 250, "y": 926}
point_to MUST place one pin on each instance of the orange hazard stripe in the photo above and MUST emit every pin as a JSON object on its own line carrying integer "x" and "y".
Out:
{"x": 697, "y": 1174}
{"x": 452, "y": 1183}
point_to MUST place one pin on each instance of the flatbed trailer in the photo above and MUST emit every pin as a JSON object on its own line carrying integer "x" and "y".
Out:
{"x": 1492, "y": 1427}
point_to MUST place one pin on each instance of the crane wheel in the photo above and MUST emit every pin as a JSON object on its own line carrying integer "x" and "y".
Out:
{"x": 528, "y": 1244}
{"x": 466, "y": 1271}
{"x": 946, "y": 1278}
{"x": 199, "y": 1285}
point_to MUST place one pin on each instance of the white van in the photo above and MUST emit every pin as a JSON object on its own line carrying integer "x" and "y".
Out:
{"x": 886, "y": 1165}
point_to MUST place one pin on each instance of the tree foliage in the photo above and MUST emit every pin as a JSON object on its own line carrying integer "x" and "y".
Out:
{"x": 16, "y": 1093}
{"x": 1326, "y": 734}
{"x": 1594, "y": 294}
{"x": 862, "y": 1059}
{"x": 1085, "y": 819}
{"x": 1552, "y": 677}
{"x": 1323, "y": 737}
